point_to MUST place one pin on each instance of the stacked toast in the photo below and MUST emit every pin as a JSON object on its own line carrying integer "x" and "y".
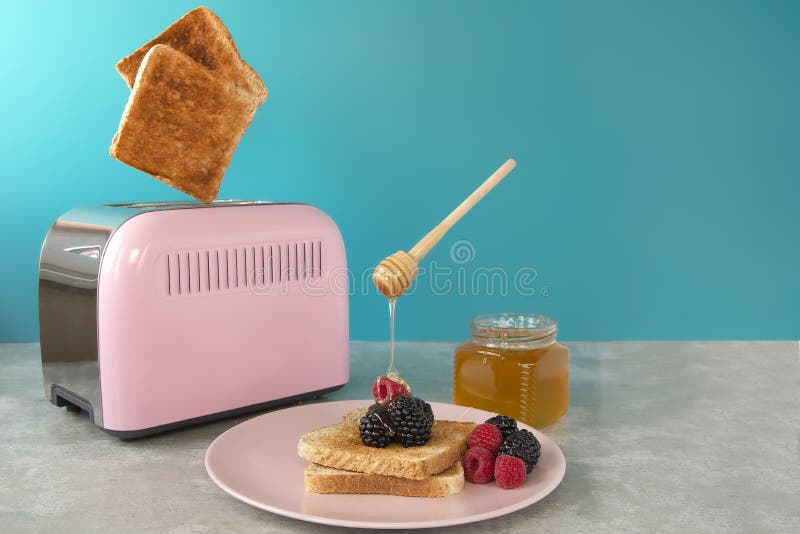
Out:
{"x": 341, "y": 463}
{"x": 192, "y": 98}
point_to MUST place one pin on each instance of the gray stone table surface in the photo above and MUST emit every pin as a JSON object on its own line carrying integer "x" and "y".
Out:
{"x": 672, "y": 436}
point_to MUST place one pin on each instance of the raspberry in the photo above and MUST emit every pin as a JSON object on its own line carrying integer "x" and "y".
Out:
{"x": 486, "y": 436}
{"x": 478, "y": 465}
{"x": 509, "y": 471}
{"x": 385, "y": 389}
{"x": 524, "y": 445}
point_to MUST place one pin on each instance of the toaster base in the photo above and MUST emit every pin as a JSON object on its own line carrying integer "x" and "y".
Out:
{"x": 63, "y": 397}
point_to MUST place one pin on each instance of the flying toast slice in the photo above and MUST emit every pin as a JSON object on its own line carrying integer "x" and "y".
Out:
{"x": 321, "y": 479}
{"x": 182, "y": 123}
{"x": 201, "y": 35}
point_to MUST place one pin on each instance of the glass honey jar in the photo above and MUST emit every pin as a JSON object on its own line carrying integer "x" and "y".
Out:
{"x": 513, "y": 366}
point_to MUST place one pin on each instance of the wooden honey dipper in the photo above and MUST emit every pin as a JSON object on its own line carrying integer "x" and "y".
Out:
{"x": 395, "y": 274}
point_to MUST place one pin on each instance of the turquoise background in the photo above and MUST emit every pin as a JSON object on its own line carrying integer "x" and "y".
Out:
{"x": 656, "y": 194}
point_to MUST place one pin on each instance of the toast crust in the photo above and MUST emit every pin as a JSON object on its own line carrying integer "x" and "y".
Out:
{"x": 201, "y": 35}
{"x": 339, "y": 446}
{"x": 321, "y": 479}
{"x": 182, "y": 123}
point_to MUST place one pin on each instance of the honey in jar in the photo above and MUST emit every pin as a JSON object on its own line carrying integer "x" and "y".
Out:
{"x": 513, "y": 366}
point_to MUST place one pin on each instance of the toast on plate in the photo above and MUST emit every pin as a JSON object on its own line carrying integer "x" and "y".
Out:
{"x": 339, "y": 446}
{"x": 321, "y": 479}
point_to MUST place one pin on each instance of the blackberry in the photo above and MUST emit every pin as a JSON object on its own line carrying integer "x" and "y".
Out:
{"x": 411, "y": 423}
{"x": 426, "y": 408}
{"x": 524, "y": 445}
{"x": 506, "y": 425}
{"x": 375, "y": 427}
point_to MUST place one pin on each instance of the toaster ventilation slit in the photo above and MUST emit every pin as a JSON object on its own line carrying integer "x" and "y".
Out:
{"x": 313, "y": 265}
{"x": 264, "y": 266}
{"x": 216, "y": 263}
{"x": 293, "y": 265}
{"x": 192, "y": 275}
{"x": 199, "y": 271}
{"x": 169, "y": 275}
{"x": 245, "y": 280}
{"x": 280, "y": 264}
{"x": 271, "y": 279}
{"x": 226, "y": 269}
{"x": 223, "y": 268}
{"x": 246, "y": 270}
{"x": 286, "y": 274}
{"x": 269, "y": 266}
{"x": 308, "y": 249}
{"x": 307, "y": 261}
{"x": 178, "y": 277}
{"x": 236, "y": 268}
{"x": 253, "y": 277}
{"x": 259, "y": 274}
{"x": 292, "y": 262}
{"x": 235, "y": 253}
{"x": 255, "y": 267}
{"x": 188, "y": 274}
{"x": 237, "y": 261}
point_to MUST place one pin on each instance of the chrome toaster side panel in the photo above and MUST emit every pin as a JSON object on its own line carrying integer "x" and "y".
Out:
{"x": 68, "y": 269}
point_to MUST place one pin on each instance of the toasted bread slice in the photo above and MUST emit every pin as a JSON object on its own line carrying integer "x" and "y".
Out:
{"x": 321, "y": 479}
{"x": 182, "y": 123}
{"x": 202, "y": 36}
{"x": 354, "y": 416}
{"x": 339, "y": 446}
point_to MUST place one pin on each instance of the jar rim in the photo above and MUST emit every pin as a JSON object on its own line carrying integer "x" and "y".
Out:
{"x": 513, "y": 327}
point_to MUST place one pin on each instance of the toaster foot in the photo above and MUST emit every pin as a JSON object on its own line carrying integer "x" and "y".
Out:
{"x": 74, "y": 403}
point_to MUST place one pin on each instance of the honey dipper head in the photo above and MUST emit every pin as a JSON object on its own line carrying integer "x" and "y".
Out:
{"x": 395, "y": 274}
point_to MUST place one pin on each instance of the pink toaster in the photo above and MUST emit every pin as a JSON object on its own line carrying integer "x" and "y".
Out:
{"x": 159, "y": 315}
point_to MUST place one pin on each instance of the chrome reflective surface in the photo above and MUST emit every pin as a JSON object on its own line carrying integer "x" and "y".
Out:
{"x": 68, "y": 269}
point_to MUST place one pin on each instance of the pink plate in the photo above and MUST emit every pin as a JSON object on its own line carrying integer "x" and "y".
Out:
{"x": 256, "y": 462}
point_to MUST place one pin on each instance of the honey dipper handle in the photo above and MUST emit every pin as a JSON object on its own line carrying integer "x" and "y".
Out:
{"x": 425, "y": 244}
